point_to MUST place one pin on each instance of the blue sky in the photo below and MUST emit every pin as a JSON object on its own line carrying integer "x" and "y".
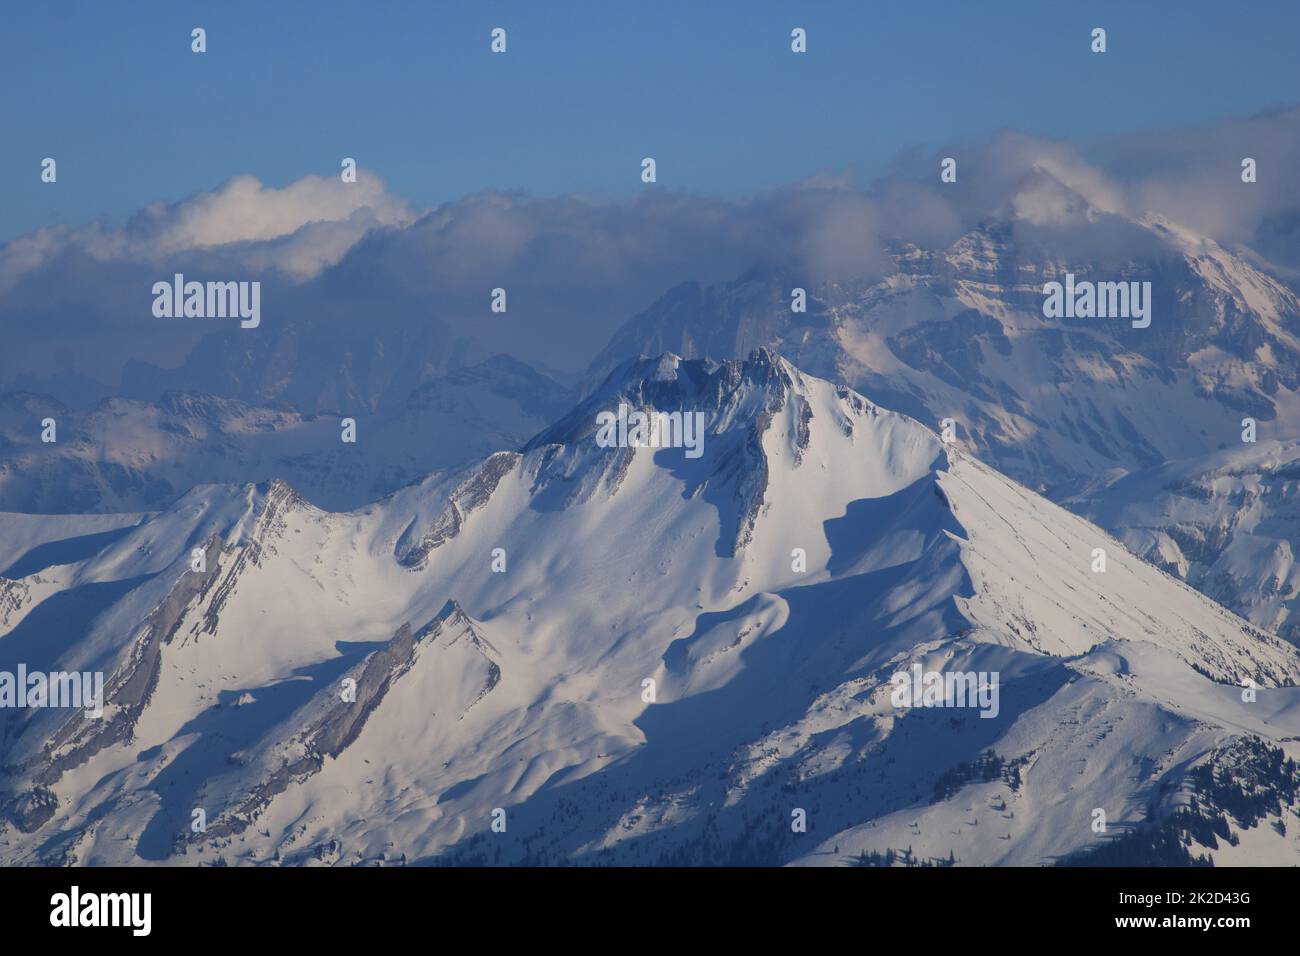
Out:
{"x": 586, "y": 89}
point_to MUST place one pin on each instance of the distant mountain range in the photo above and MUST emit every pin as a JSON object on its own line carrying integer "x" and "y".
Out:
{"x": 123, "y": 454}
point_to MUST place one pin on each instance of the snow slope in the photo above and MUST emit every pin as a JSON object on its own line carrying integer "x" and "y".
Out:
{"x": 381, "y": 685}
{"x": 1228, "y": 523}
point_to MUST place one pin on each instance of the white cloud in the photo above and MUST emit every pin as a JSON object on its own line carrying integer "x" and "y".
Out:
{"x": 577, "y": 268}
{"x": 298, "y": 230}
{"x": 244, "y": 210}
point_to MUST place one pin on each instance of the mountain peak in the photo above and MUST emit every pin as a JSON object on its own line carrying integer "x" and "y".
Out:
{"x": 669, "y": 383}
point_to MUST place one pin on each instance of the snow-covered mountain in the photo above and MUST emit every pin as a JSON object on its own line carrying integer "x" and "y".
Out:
{"x": 131, "y": 455}
{"x": 1115, "y": 422}
{"x": 627, "y": 654}
{"x": 959, "y": 332}
{"x": 1228, "y": 523}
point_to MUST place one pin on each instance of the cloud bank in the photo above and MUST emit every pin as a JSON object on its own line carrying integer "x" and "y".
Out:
{"x": 355, "y": 256}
